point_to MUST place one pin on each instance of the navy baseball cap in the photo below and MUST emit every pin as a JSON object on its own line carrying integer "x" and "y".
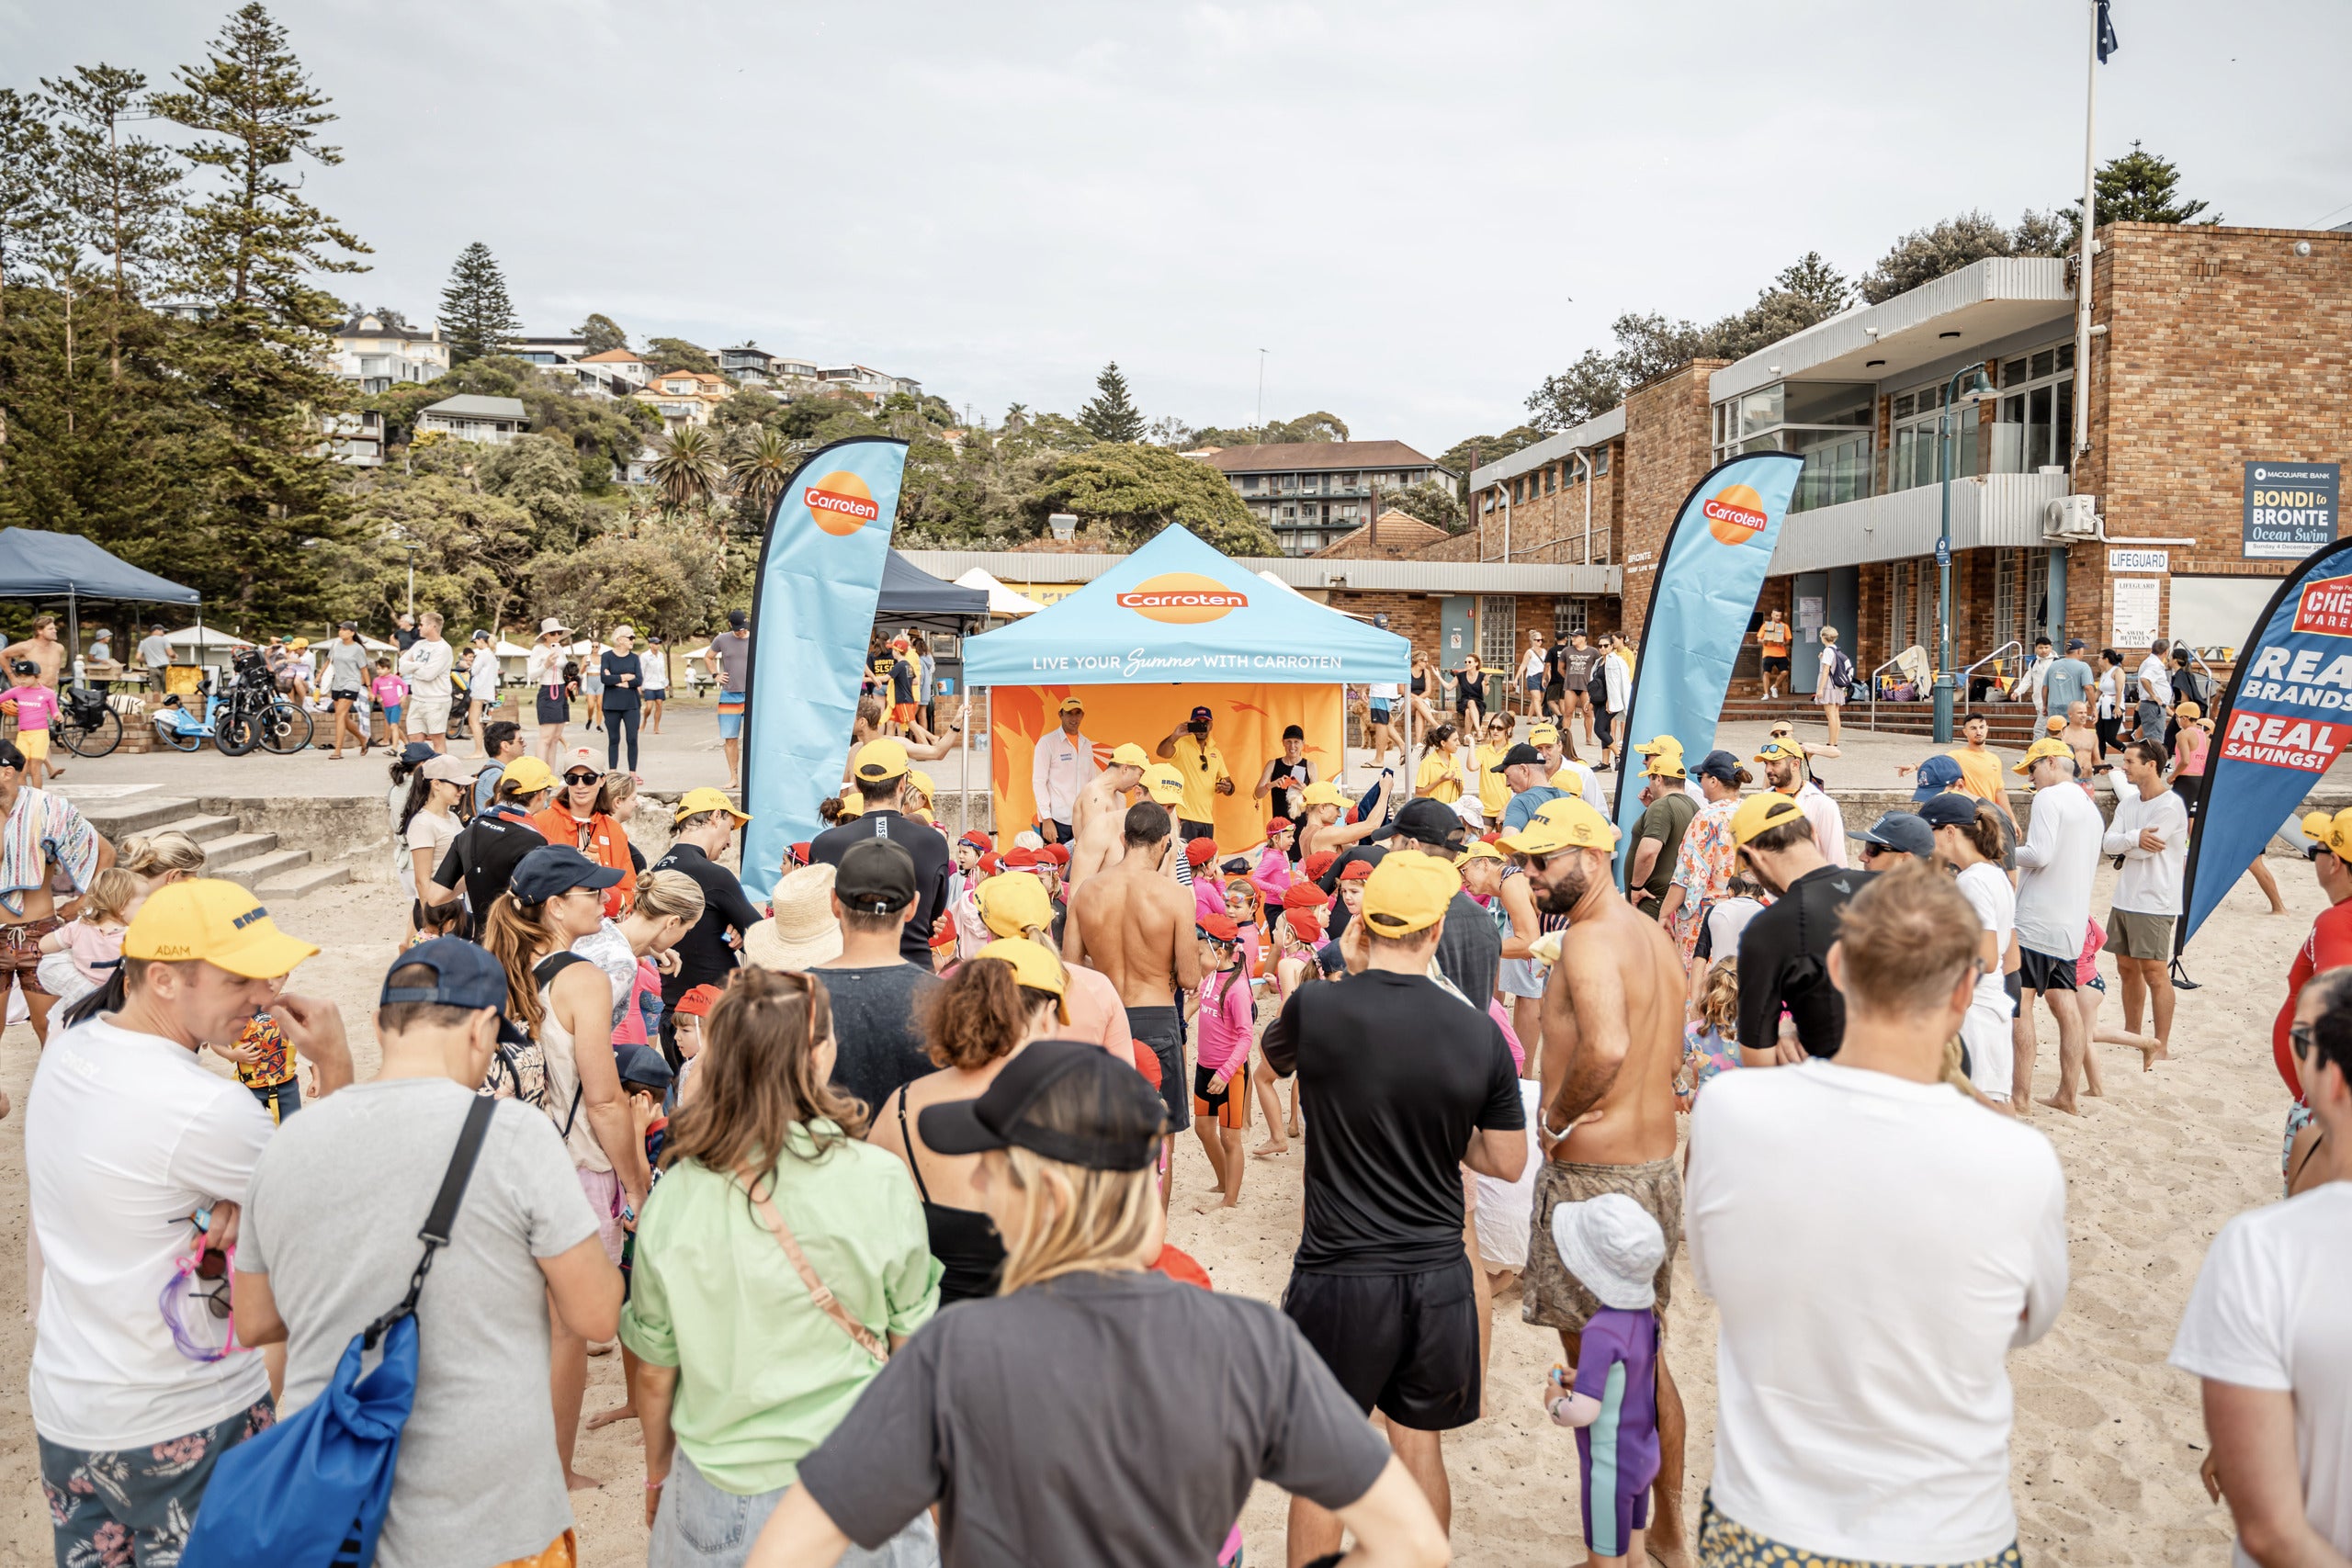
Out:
{"x": 464, "y": 976}
{"x": 1948, "y": 811}
{"x": 1721, "y": 766}
{"x": 1902, "y": 831}
{"x": 554, "y": 869}
{"x": 2075, "y": 644}
{"x": 642, "y": 1066}
{"x": 1936, "y": 775}
{"x": 417, "y": 752}
{"x": 739, "y": 619}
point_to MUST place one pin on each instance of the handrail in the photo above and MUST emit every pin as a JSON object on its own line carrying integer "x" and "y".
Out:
{"x": 1873, "y": 680}
{"x": 1979, "y": 664}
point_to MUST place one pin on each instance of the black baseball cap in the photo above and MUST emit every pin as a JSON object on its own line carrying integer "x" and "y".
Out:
{"x": 1721, "y": 766}
{"x": 874, "y": 877}
{"x": 739, "y": 619}
{"x": 1293, "y": 732}
{"x": 1110, "y": 1119}
{"x": 1522, "y": 752}
{"x": 1427, "y": 821}
{"x": 553, "y": 868}
{"x": 1948, "y": 810}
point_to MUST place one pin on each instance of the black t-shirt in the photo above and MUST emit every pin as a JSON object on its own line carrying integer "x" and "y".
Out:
{"x": 1046, "y": 1425}
{"x": 614, "y": 665}
{"x": 876, "y": 1046}
{"x": 1400, "y": 1075}
{"x": 903, "y": 674}
{"x": 933, "y": 863}
{"x": 1784, "y": 962}
{"x": 483, "y": 856}
{"x": 704, "y": 957}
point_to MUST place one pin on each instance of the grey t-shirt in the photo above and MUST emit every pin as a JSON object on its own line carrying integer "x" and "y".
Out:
{"x": 347, "y": 666}
{"x": 730, "y": 655}
{"x": 1064, "y": 1424}
{"x": 2069, "y": 681}
{"x": 877, "y": 1047}
{"x": 154, "y": 652}
{"x": 336, "y": 1204}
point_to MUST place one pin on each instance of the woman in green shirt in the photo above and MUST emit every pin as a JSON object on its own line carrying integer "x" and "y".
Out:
{"x": 765, "y": 1190}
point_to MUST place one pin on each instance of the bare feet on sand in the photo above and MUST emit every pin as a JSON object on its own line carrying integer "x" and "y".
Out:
{"x": 575, "y": 1482}
{"x": 1212, "y": 1208}
{"x": 1270, "y": 1151}
{"x": 606, "y": 1417}
{"x": 2067, "y": 1105}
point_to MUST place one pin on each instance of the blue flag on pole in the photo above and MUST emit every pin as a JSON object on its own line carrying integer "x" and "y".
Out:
{"x": 812, "y": 612}
{"x": 1709, "y": 572}
{"x": 2106, "y": 43}
{"x": 2287, "y": 716}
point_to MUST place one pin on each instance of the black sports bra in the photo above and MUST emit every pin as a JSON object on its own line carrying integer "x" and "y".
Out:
{"x": 970, "y": 1253}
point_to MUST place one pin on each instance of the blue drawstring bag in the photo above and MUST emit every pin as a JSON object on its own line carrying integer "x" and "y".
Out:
{"x": 311, "y": 1491}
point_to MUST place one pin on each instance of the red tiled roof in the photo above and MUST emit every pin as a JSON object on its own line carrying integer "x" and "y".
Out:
{"x": 1400, "y": 535}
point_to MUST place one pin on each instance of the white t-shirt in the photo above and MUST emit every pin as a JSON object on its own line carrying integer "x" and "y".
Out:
{"x": 2268, "y": 1312}
{"x": 125, "y": 1137}
{"x": 1985, "y": 1026}
{"x": 425, "y": 831}
{"x": 2158, "y": 681}
{"x": 1828, "y": 822}
{"x": 2150, "y": 882}
{"x": 1384, "y": 691}
{"x": 482, "y": 676}
{"x": 2056, "y": 860}
{"x": 1726, "y": 917}
{"x": 1868, "y": 1414}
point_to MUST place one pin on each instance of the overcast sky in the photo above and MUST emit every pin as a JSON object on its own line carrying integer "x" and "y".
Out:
{"x": 1417, "y": 210}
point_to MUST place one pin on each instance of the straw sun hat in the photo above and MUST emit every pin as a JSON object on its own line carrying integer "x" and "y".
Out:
{"x": 802, "y": 932}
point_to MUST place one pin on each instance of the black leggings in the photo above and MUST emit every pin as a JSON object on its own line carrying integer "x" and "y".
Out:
{"x": 619, "y": 722}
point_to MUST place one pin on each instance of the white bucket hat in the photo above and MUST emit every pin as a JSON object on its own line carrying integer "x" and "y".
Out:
{"x": 550, "y": 624}
{"x": 1612, "y": 1246}
{"x": 802, "y": 932}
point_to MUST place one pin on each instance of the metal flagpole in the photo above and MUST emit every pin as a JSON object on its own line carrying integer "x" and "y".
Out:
{"x": 2089, "y": 245}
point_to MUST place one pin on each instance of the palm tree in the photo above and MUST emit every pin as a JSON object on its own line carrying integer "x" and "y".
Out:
{"x": 761, "y": 467}
{"x": 686, "y": 469}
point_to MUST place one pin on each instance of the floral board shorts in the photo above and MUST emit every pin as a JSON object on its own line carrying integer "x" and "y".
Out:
{"x": 20, "y": 954}
{"x": 1550, "y": 1295}
{"x": 1723, "y": 1544}
{"x": 110, "y": 1509}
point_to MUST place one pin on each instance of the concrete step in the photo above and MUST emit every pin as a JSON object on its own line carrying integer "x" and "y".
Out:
{"x": 223, "y": 853}
{"x": 304, "y": 880}
{"x": 117, "y": 820}
{"x": 203, "y": 830}
{"x": 255, "y": 870}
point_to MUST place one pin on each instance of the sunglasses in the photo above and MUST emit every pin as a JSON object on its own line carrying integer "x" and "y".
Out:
{"x": 582, "y": 778}
{"x": 2300, "y": 1036}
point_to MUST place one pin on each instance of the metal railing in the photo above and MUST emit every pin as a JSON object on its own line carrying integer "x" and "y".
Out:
{"x": 1881, "y": 670}
{"x": 1962, "y": 696}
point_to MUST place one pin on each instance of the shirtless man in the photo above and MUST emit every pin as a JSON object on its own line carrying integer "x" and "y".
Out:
{"x": 1135, "y": 926}
{"x": 2083, "y": 737}
{"x": 867, "y": 726}
{"x": 43, "y": 649}
{"x": 1099, "y": 814}
{"x": 1612, "y": 1028}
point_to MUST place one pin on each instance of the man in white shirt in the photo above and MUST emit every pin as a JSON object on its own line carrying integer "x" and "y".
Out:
{"x": 2151, "y": 833}
{"x": 2267, "y": 1329}
{"x": 2153, "y": 686}
{"x": 1785, "y": 770}
{"x": 154, "y": 657}
{"x": 425, "y": 667}
{"x": 137, "y": 1158}
{"x": 2034, "y": 682}
{"x": 481, "y": 687}
{"x": 2056, "y": 860}
{"x": 1063, "y": 765}
{"x": 1866, "y": 1414}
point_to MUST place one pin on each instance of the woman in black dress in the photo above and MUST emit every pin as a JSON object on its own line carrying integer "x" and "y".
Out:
{"x": 623, "y": 678}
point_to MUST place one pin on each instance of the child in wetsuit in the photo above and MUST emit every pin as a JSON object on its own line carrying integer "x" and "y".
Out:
{"x": 1613, "y": 1248}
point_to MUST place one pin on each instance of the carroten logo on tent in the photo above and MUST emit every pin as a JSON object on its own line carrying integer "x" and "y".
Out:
{"x": 1734, "y": 514}
{"x": 840, "y": 503}
{"x": 1182, "y": 598}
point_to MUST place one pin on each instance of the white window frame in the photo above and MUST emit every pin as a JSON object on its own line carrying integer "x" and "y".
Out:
{"x": 1498, "y": 633}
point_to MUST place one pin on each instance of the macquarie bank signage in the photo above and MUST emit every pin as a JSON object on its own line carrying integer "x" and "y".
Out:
{"x": 2290, "y": 509}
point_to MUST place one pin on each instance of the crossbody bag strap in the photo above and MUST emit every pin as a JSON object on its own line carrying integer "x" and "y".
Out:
{"x": 827, "y": 1303}
{"x": 443, "y": 1216}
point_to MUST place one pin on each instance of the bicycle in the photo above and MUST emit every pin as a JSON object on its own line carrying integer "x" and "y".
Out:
{"x": 85, "y": 725}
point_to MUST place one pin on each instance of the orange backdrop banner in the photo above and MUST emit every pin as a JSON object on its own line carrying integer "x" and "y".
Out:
{"x": 1248, "y": 727}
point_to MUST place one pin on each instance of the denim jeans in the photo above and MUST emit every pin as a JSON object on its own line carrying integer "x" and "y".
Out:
{"x": 701, "y": 1527}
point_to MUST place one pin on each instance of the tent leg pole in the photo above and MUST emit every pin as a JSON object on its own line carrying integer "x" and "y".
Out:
{"x": 1406, "y": 761}
{"x": 963, "y": 768}
{"x": 987, "y": 716}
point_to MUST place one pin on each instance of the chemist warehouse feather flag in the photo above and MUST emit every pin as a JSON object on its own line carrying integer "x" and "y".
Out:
{"x": 2286, "y": 718}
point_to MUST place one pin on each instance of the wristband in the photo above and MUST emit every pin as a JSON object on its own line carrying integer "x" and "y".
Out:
{"x": 657, "y": 1485}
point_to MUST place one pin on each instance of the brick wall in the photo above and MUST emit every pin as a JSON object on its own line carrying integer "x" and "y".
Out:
{"x": 1549, "y": 529}
{"x": 1413, "y": 616}
{"x": 2223, "y": 348}
{"x": 1667, "y": 449}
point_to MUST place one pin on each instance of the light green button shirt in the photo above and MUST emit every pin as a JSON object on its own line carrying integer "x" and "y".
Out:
{"x": 764, "y": 1375}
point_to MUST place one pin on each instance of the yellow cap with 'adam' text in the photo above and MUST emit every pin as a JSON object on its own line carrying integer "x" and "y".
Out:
{"x": 216, "y": 921}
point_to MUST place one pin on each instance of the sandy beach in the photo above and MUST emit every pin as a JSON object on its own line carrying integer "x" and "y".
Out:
{"x": 2108, "y": 1437}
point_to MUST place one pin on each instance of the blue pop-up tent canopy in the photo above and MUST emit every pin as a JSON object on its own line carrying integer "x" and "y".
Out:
{"x": 1178, "y": 611}
{"x": 39, "y": 565}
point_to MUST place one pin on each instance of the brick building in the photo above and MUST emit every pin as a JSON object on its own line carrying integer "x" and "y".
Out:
{"x": 1309, "y": 493}
{"x": 2215, "y": 350}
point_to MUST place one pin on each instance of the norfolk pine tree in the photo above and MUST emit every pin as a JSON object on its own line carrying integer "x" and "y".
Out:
{"x": 476, "y": 315}
{"x": 1112, "y": 415}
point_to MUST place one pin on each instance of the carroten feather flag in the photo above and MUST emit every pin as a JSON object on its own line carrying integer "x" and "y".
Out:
{"x": 1709, "y": 572}
{"x": 812, "y": 611}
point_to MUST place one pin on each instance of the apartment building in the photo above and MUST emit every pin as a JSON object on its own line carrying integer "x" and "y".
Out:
{"x": 1312, "y": 494}
{"x": 377, "y": 355}
{"x": 2218, "y": 360}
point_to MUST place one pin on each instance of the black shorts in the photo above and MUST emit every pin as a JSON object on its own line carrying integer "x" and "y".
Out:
{"x": 2044, "y": 972}
{"x": 2014, "y": 983}
{"x": 554, "y": 709}
{"x": 1775, "y": 661}
{"x": 341, "y": 697}
{"x": 1162, "y": 1029}
{"x": 1405, "y": 1345}
{"x": 1187, "y": 830}
{"x": 2190, "y": 787}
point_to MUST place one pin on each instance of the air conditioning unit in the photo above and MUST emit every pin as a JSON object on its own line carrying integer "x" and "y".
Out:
{"x": 2071, "y": 517}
